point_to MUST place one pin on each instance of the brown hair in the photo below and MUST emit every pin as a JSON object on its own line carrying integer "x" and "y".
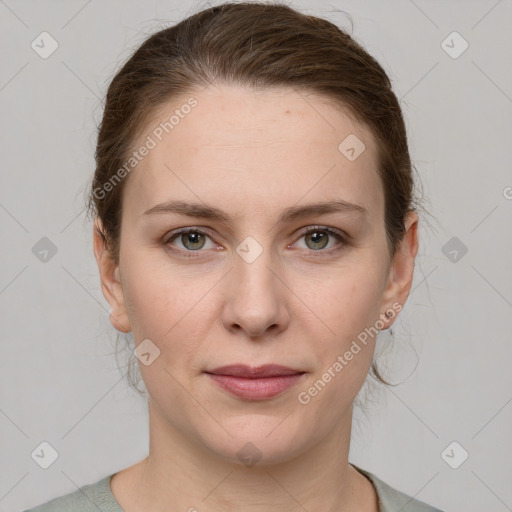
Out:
{"x": 256, "y": 45}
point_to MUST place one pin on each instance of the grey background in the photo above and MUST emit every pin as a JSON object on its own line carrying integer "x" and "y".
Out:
{"x": 59, "y": 381}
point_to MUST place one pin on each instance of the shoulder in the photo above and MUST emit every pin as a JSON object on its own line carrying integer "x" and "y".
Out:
{"x": 391, "y": 499}
{"x": 89, "y": 498}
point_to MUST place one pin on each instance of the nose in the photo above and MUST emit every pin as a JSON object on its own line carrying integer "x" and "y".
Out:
{"x": 256, "y": 301}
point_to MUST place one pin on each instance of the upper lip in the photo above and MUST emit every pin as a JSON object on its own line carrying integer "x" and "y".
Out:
{"x": 242, "y": 370}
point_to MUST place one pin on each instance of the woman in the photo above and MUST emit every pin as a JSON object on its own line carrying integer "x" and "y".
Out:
{"x": 254, "y": 230}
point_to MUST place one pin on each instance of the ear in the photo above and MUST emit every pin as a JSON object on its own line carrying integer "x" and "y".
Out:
{"x": 401, "y": 271}
{"x": 110, "y": 280}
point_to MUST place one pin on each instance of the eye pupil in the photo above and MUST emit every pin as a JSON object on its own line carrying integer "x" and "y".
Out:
{"x": 318, "y": 237}
{"x": 192, "y": 237}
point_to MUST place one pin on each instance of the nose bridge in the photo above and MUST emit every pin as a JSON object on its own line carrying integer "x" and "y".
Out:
{"x": 252, "y": 268}
{"x": 256, "y": 300}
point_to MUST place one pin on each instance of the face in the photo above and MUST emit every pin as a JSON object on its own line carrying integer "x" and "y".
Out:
{"x": 217, "y": 267}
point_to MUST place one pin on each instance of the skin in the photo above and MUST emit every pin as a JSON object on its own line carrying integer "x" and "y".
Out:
{"x": 300, "y": 304}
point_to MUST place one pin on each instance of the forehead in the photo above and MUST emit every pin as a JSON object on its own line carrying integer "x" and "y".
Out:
{"x": 254, "y": 149}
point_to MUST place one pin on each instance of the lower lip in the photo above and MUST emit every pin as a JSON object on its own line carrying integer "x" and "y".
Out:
{"x": 256, "y": 389}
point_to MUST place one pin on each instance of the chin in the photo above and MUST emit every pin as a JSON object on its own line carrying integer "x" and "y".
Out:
{"x": 267, "y": 442}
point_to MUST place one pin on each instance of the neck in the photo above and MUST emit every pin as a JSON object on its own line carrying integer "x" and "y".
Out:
{"x": 181, "y": 473}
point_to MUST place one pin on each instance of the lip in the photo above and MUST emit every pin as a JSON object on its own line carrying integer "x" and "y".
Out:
{"x": 249, "y": 372}
{"x": 255, "y": 383}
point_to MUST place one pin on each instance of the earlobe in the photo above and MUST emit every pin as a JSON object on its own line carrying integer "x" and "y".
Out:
{"x": 110, "y": 280}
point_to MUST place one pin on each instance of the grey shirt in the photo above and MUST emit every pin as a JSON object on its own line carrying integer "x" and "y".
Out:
{"x": 98, "y": 497}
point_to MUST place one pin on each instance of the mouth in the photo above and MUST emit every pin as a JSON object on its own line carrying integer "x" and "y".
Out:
{"x": 255, "y": 383}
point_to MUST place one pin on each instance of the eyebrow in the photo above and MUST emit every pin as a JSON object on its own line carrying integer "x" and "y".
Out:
{"x": 289, "y": 214}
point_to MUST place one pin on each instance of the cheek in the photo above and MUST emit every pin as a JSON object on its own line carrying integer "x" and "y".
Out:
{"x": 348, "y": 307}
{"x": 157, "y": 296}
{"x": 347, "y": 301}
{"x": 169, "y": 308}
{"x": 360, "y": 307}
{"x": 345, "y": 355}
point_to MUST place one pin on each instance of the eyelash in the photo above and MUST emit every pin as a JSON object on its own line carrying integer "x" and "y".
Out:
{"x": 343, "y": 239}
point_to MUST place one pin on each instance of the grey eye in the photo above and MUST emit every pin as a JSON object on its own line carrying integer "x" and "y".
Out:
{"x": 193, "y": 240}
{"x": 319, "y": 239}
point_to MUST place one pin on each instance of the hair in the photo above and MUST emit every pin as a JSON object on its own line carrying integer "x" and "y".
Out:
{"x": 257, "y": 45}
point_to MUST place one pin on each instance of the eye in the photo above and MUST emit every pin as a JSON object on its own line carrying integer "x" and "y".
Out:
{"x": 192, "y": 239}
{"x": 318, "y": 237}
